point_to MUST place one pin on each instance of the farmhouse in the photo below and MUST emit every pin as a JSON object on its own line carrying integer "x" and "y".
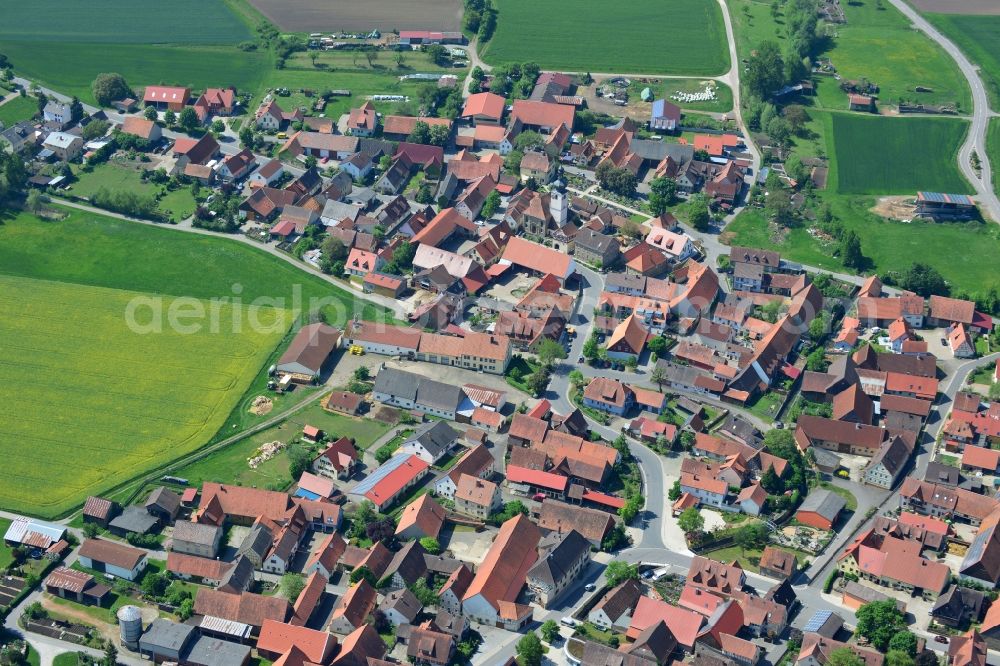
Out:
{"x": 142, "y": 128}
{"x": 484, "y": 108}
{"x": 545, "y": 117}
{"x": 492, "y": 594}
{"x": 66, "y": 147}
{"x": 390, "y": 480}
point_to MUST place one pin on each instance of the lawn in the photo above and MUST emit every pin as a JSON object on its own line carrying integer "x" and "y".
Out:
{"x": 993, "y": 149}
{"x": 6, "y": 557}
{"x": 16, "y": 109}
{"x": 766, "y": 406}
{"x": 881, "y": 46}
{"x": 70, "y": 67}
{"x": 229, "y": 465}
{"x": 126, "y": 255}
{"x": 66, "y": 659}
{"x": 587, "y": 36}
{"x": 99, "y": 398}
{"x": 360, "y": 83}
{"x": 978, "y": 37}
{"x": 890, "y": 245}
{"x": 177, "y": 204}
{"x": 664, "y": 88}
{"x": 179, "y": 21}
{"x": 895, "y": 155}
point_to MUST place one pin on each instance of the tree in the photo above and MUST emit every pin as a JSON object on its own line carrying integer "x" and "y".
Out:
{"x": 247, "y": 138}
{"x": 631, "y": 509}
{"x": 765, "y": 70}
{"x": 155, "y": 584}
{"x": 75, "y": 110}
{"x": 550, "y": 630}
{"x": 899, "y": 658}
{"x": 491, "y": 205}
{"x": 424, "y": 594}
{"x": 662, "y": 193}
{"x": 690, "y": 521}
{"x": 675, "y": 491}
{"x": 95, "y": 129}
{"x": 110, "y": 654}
{"x": 771, "y": 482}
{"x": 843, "y": 657}
{"x": 548, "y": 351}
{"x": 817, "y": 327}
{"x": 614, "y": 179}
{"x": 36, "y": 201}
{"x": 816, "y": 360}
{"x": 618, "y": 571}
{"x": 879, "y": 621}
{"x": 292, "y": 584}
{"x": 923, "y": 280}
{"x": 590, "y": 348}
{"x": 657, "y": 346}
{"x": 91, "y": 530}
{"x": 438, "y": 54}
{"x": 188, "y": 119}
{"x": 577, "y": 379}
{"x": 298, "y": 460}
{"x": 850, "y": 250}
{"x": 904, "y": 641}
{"x": 363, "y": 572}
{"x": 218, "y": 127}
{"x": 751, "y": 537}
{"x": 169, "y": 117}
{"x": 439, "y": 135}
{"x": 150, "y": 113}
{"x": 110, "y": 87}
{"x": 431, "y": 545}
{"x": 529, "y": 650}
{"x": 778, "y": 206}
{"x": 421, "y": 133}
{"x": 362, "y": 373}
{"x": 698, "y": 213}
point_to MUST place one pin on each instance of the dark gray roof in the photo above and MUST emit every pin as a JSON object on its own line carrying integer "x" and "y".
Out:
{"x": 941, "y": 473}
{"x": 656, "y": 151}
{"x": 440, "y": 564}
{"x": 824, "y": 502}
{"x": 556, "y": 564}
{"x": 397, "y": 383}
{"x": 134, "y": 519}
{"x": 238, "y": 577}
{"x": 404, "y": 602}
{"x": 417, "y": 388}
{"x": 435, "y": 437}
{"x": 257, "y": 541}
{"x": 409, "y": 563}
{"x": 166, "y": 636}
{"x": 893, "y": 455}
{"x": 207, "y": 651}
{"x": 199, "y": 533}
{"x": 959, "y": 603}
{"x": 626, "y": 281}
{"x": 165, "y": 500}
{"x": 595, "y": 242}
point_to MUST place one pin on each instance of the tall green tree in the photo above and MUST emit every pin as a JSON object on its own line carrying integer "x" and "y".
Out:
{"x": 879, "y": 622}
{"x": 690, "y": 521}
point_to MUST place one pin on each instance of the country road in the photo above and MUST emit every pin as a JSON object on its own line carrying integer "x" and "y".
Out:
{"x": 976, "y": 139}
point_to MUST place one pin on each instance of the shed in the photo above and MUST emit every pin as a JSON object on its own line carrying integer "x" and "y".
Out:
{"x": 821, "y": 509}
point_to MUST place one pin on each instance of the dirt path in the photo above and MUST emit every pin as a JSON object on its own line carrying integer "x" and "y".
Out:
{"x": 106, "y": 630}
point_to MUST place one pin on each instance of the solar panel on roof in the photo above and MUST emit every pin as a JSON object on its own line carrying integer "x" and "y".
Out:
{"x": 817, "y": 621}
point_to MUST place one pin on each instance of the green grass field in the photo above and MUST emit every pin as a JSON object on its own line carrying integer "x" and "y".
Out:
{"x": 890, "y": 245}
{"x": 229, "y": 465}
{"x": 127, "y": 255}
{"x": 896, "y": 155}
{"x": 99, "y": 401}
{"x": 591, "y": 35}
{"x": 6, "y": 556}
{"x": 17, "y": 109}
{"x": 70, "y": 67}
{"x": 178, "y": 204}
{"x": 979, "y": 38}
{"x": 120, "y": 21}
{"x": 993, "y": 148}
{"x": 880, "y": 45}
{"x": 666, "y": 87}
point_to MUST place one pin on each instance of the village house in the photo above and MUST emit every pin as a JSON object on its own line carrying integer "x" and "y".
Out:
{"x": 563, "y": 558}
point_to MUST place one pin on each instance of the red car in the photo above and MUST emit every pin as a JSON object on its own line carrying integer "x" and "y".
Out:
{"x": 539, "y": 497}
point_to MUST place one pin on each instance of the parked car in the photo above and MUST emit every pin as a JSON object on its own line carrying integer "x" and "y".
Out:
{"x": 940, "y": 639}
{"x": 538, "y": 497}
{"x": 590, "y": 587}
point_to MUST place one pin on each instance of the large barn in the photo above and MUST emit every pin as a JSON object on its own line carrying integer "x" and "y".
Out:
{"x": 308, "y": 352}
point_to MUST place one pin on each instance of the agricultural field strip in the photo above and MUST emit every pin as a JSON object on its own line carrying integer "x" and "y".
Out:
{"x": 158, "y": 22}
{"x": 59, "y": 418}
{"x": 543, "y": 32}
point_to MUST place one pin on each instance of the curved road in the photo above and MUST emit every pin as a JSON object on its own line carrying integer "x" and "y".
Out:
{"x": 976, "y": 140}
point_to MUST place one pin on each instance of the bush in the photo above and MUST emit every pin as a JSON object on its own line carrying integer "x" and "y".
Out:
{"x": 830, "y": 580}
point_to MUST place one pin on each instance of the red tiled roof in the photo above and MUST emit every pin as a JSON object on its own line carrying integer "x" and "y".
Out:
{"x": 536, "y": 477}
{"x": 488, "y": 105}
